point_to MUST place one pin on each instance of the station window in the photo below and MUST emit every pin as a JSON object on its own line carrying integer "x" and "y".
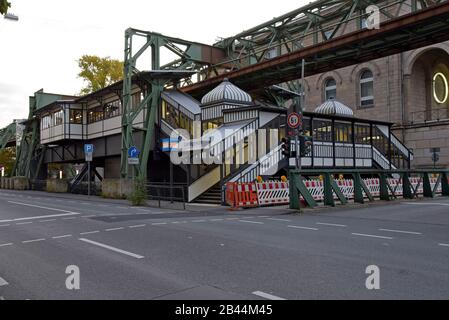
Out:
{"x": 112, "y": 109}
{"x": 330, "y": 89}
{"x": 58, "y": 118}
{"x": 46, "y": 122}
{"x": 271, "y": 53}
{"x": 76, "y": 116}
{"x": 366, "y": 89}
{"x": 95, "y": 115}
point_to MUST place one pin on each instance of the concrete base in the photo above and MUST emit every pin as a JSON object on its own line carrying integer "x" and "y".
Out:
{"x": 57, "y": 186}
{"x": 20, "y": 183}
{"x": 116, "y": 188}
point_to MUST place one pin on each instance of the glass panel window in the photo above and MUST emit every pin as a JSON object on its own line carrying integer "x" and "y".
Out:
{"x": 112, "y": 109}
{"x": 46, "y": 122}
{"x": 366, "y": 89}
{"x": 95, "y": 115}
{"x": 76, "y": 116}
{"x": 330, "y": 89}
{"x": 58, "y": 118}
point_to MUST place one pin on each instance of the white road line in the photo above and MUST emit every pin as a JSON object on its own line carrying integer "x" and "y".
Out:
{"x": 400, "y": 231}
{"x": 50, "y": 220}
{"x": 443, "y": 245}
{"x": 92, "y": 216}
{"x": 216, "y": 220}
{"x": 426, "y": 204}
{"x": 90, "y": 232}
{"x": 68, "y": 213}
{"x": 267, "y": 296}
{"x": 112, "y": 248}
{"x": 253, "y": 222}
{"x": 62, "y": 237}
{"x": 114, "y": 229}
{"x": 332, "y": 225}
{"x": 303, "y": 228}
{"x": 282, "y": 220}
{"x": 198, "y": 221}
{"x": 139, "y": 226}
{"x": 23, "y": 223}
{"x": 72, "y": 218}
{"x": 371, "y": 236}
{"x": 6, "y": 245}
{"x": 32, "y": 241}
{"x": 5, "y": 225}
{"x": 159, "y": 224}
{"x": 3, "y": 282}
{"x": 263, "y": 217}
{"x": 232, "y": 219}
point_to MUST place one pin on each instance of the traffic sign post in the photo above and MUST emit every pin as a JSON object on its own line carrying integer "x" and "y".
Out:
{"x": 133, "y": 158}
{"x": 88, "y": 153}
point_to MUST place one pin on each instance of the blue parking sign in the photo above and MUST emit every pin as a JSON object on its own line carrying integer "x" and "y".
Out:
{"x": 88, "y": 148}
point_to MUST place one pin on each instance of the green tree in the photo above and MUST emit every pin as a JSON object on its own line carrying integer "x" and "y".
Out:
{"x": 4, "y": 5}
{"x": 98, "y": 72}
{"x": 7, "y": 159}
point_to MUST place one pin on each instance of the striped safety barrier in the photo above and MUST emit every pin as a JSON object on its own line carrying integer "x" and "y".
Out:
{"x": 273, "y": 193}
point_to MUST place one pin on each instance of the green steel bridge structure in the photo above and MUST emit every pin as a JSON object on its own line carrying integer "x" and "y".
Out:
{"x": 314, "y": 36}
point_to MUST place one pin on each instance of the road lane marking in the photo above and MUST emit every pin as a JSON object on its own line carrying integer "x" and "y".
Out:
{"x": 114, "y": 229}
{"x": 3, "y": 282}
{"x": 50, "y": 220}
{"x": 105, "y": 246}
{"x": 303, "y": 228}
{"x": 281, "y": 220}
{"x": 400, "y": 231}
{"x": 5, "y": 225}
{"x": 232, "y": 219}
{"x": 426, "y": 204}
{"x": 198, "y": 221}
{"x": 267, "y": 296}
{"x": 63, "y": 237}
{"x": 23, "y": 223}
{"x": 91, "y": 216}
{"x": 216, "y": 220}
{"x": 68, "y": 213}
{"x": 6, "y": 245}
{"x": 371, "y": 236}
{"x": 332, "y": 225}
{"x": 72, "y": 218}
{"x": 262, "y": 217}
{"x": 159, "y": 224}
{"x": 32, "y": 241}
{"x": 253, "y": 222}
{"x": 443, "y": 245}
{"x": 139, "y": 226}
{"x": 90, "y": 232}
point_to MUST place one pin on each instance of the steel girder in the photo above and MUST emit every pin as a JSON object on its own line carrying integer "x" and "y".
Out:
{"x": 190, "y": 56}
{"x": 7, "y": 135}
{"x": 406, "y": 32}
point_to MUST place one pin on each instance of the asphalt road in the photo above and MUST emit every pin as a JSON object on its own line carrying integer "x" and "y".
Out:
{"x": 145, "y": 253}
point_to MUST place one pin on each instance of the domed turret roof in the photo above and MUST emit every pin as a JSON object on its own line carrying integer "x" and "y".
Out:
{"x": 334, "y": 107}
{"x": 226, "y": 91}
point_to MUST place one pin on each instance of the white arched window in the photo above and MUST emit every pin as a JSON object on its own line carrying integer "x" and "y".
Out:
{"x": 330, "y": 89}
{"x": 366, "y": 88}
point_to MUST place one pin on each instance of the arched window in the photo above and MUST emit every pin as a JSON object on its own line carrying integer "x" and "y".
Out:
{"x": 366, "y": 88}
{"x": 330, "y": 89}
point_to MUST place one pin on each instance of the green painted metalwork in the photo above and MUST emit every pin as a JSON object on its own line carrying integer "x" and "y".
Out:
{"x": 8, "y": 135}
{"x": 407, "y": 186}
{"x": 297, "y": 189}
{"x": 191, "y": 56}
{"x": 297, "y": 186}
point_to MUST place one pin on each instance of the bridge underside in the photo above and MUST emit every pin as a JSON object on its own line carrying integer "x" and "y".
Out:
{"x": 415, "y": 30}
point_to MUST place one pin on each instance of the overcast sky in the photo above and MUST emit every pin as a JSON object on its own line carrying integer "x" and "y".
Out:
{"x": 41, "y": 49}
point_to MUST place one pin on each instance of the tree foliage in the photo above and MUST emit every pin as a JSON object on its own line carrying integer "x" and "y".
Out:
{"x": 98, "y": 72}
{"x": 4, "y": 5}
{"x": 7, "y": 159}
